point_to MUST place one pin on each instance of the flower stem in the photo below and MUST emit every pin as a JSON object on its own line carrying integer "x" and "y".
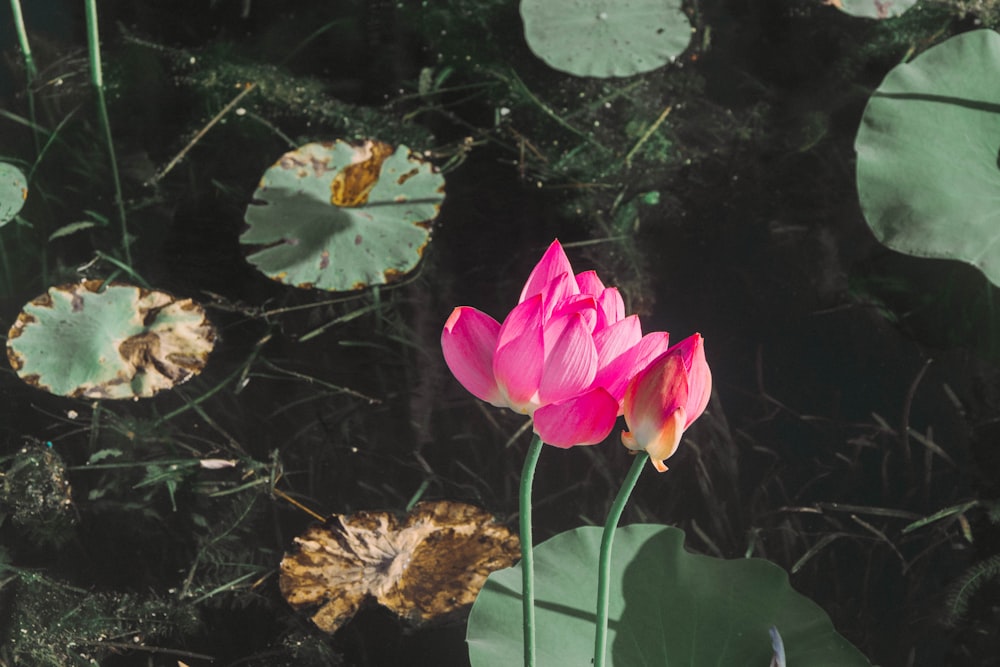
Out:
{"x": 604, "y": 561}
{"x": 527, "y": 558}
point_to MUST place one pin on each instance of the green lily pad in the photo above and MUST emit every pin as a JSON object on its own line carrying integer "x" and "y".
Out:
{"x": 667, "y": 607}
{"x": 873, "y": 9}
{"x": 340, "y": 216}
{"x": 13, "y": 192}
{"x": 122, "y": 342}
{"x": 604, "y": 38}
{"x": 928, "y": 145}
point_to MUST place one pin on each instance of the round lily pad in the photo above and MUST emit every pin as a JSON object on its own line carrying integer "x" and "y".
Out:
{"x": 873, "y": 9}
{"x": 122, "y": 342}
{"x": 604, "y": 38}
{"x": 13, "y": 192}
{"x": 928, "y": 146}
{"x": 341, "y": 216}
{"x": 667, "y": 607}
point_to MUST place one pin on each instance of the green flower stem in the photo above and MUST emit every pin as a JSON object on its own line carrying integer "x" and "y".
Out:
{"x": 527, "y": 558}
{"x": 604, "y": 561}
{"x": 97, "y": 80}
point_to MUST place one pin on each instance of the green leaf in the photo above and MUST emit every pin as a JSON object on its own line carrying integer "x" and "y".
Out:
{"x": 71, "y": 228}
{"x": 13, "y": 192}
{"x": 668, "y": 607}
{"x": 122, "y": 342}
{"x": 602, "y": 38}
{"x": 928, "y": 175}
{"x": 340, "y": 216}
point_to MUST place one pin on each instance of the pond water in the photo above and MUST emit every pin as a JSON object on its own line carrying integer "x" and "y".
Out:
{"x": 855, "y": 389}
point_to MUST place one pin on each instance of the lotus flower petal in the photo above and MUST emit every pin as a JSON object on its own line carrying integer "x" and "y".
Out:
{"x": 586, "y": 419}
{"x": 468, "y": 342}
{"x": 570, "y": 359}
{"x": 552, "y": 265}
{"x": 589, "y": 283}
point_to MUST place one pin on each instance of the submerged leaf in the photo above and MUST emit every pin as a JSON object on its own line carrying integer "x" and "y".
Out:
{"x": 122, "y": 342}
{"x": 427, "y": 566}
{"x": 340, "y": 216}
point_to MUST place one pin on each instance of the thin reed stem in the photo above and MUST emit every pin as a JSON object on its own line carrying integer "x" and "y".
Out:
{"x": 30, "y": 71}
{"x": 97, "y": 80}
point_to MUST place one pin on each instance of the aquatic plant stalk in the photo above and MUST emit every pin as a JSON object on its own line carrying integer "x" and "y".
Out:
{"x": 604, "y": 559}
{"x": 31, "y": 72}
{"x": 527, "y": 558}
{"x": 97, "y": 80}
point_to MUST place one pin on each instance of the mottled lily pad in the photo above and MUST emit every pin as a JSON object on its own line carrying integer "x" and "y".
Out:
{"x": 604, "y": 38}
{"x": 13, "y": 192}
{"x": 426, "y": 567}
{"x": 122, "y": 342}
{"x": 340, "y": 216}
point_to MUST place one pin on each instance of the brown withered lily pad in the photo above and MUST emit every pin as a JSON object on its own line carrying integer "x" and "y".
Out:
{"x": 342, "y": 216}
{"x": 427, "y": 566}
{"x": 91, "y": 340}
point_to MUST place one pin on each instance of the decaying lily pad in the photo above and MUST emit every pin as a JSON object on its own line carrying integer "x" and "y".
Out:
{"x": 605, "y": 38}
{"x": 13, "y": 192}
{"x": 428, "y": 566}
{"x": 122, "y": 342}
{"x": 340, "y": 216}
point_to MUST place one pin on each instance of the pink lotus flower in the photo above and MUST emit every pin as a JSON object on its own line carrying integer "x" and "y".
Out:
{"x": 664, "y": 398}
{"x": 563, "y": 355}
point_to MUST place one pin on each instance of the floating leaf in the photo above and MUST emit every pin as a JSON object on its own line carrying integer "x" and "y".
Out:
{"x": 667, "y": 607}
{"x": 605, "y": 38}
{"x": 340, "y": 216}
{"x": 430, "y": 565}
{"x": 873, "y": 9}
{"x": 928, "y": 176}
{"x": 122, "y": 342}
{"x": 13, "y": 192}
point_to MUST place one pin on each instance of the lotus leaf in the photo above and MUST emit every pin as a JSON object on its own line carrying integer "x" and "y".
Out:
{"x": 667, "y": 607}
{"x": 121, "y": 341}
{"x": 341, "y": 216}
{"x": 873, "y": 9}
{"x": 13, "y": 192}
{"x": 605, "y": 38}
{"x": 427, "y": 566}
{"x": 928, "y": 177}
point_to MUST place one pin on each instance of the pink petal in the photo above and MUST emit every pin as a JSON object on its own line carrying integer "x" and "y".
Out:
{"x": 654, "y": 394}
{"x": 582, "y": 420}
{"x": 525, "y": 316}
{"x": 583, "y": 304}
{"x": 699, "y": 376}
{"x": 518, "y": 363}
{"x": 611, "y": 305}
{"x": 552, "y": 264}
{"x": 570, "y": 359}
{"x": 661, "y": 444}
{"x": 650, "y": 347}
{"x": 589, "y": 283}
{"x": 557, "y": 291}
{"x": 468, "y": 342}
{"x": 617, "y": 347}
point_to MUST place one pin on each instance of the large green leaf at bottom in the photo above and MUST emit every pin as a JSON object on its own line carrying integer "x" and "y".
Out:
{"x": 668, "y": 608}
{"x": 928, "y": 148}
